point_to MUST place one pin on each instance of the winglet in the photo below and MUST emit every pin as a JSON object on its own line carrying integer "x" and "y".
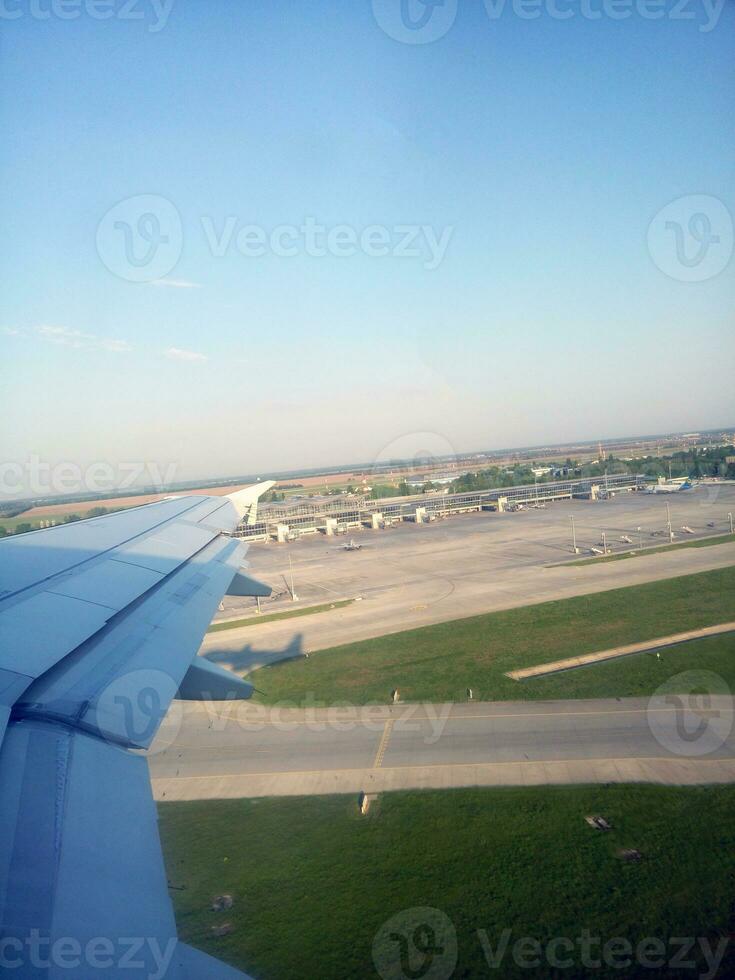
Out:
{"x": 246, "y": 501}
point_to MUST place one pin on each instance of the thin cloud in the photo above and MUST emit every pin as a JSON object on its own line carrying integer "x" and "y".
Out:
{"x": 116, "y": 346}
{"x": 179, "y": 354}
{"x": 176, "y": 283}
{"x": 9, "y": 332}
{"x": 79, "y": 340}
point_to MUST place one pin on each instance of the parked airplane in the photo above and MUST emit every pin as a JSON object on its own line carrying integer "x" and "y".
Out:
{"x": 671, "y": 486}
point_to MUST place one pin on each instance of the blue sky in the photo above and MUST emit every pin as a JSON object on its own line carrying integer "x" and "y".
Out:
{"x": 542, "y": 148}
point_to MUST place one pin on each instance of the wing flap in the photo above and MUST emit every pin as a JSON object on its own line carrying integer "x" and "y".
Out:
{"x": 121, "y": 682}
{"x": 79, "y": 859}
{"x": 111, "y": 583}
{"x": 36, "y": 633}
{"x": 12, "y": 686}
{"x": 205, "y": 681}
{"x": 166, "y": 549}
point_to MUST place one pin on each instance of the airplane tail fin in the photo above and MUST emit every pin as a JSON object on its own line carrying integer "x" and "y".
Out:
{"x": 246, "y": 501}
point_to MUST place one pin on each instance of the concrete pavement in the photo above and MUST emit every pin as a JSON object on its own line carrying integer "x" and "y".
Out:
{"x": 245, "y": 750}
{"x": 613, "y": 653}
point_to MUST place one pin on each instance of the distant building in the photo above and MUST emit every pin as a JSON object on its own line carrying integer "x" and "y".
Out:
{"x": 438, "y": 478}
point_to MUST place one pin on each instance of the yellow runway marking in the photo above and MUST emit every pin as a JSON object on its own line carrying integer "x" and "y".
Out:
{"x": 383, "y": 744}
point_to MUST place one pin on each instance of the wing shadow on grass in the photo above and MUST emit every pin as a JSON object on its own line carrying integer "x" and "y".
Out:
{"x": 249, "y": 658}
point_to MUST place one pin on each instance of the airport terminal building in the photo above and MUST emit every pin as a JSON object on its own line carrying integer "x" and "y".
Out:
{"x": 338, "y": 514}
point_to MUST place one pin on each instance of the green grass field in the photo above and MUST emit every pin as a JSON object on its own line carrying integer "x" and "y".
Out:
{"x": 272, "y": 617}
{"x": 438, "y": 663}
{"x": 313, "y": 881}
{"x": 84, "y": 512}
{"x": 700, "y": 543}
{"x": 11, "y": 523}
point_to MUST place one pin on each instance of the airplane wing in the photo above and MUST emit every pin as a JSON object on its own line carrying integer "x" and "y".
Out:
{"x": 100, "y": 624}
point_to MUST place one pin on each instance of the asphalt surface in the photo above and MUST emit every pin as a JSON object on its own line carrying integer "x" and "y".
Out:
{"x": 207, "y": 751}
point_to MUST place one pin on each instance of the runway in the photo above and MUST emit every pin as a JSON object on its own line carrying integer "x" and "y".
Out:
{"x": 208, "y": 751}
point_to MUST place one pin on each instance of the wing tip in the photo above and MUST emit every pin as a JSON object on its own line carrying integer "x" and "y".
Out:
{"x": 245, "y": 501}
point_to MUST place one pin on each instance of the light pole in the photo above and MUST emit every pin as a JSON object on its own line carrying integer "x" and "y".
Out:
{"x": 668, "y": 521}
{"x": 640, "y": 539}
{"x": 294, "y": 597}
{"x": 574, "y": 535}
{"x": 729, "y": 516}
{"x": 604, "y": 543}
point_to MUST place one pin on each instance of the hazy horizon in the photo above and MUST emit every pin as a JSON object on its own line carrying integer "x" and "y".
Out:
{"x": 150, "y": 475}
